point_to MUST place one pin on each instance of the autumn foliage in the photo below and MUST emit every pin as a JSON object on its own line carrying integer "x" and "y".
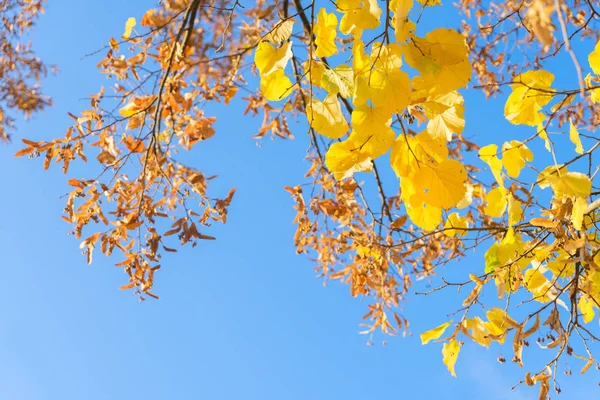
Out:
{"x": 20, "y": 69}
{"x": 374, "y": 90}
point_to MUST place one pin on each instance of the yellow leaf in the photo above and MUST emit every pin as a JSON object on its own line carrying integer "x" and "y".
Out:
{"x": 514, "y": 156}
{"x": 338, "y": 80}
{"x": 136, "y": 105}
{"x": 542, "y": 252}
{"x": 538, "y": 284}
{"x": 402, "y": 26}
{"x": 498, "y": 323}
{"x": 128, "y": 27}
{"x": 442, "y": 61}
{"x": 409, "y": 153}
{"x": 467, "y": 198}
{"x": 594, "y": 93}
{"x": 431, "y": 149}
{"x": 515, "y": 212}
{"x": 450, "y": 352}
{"x": 129, "y": 110}
{"x": 511, "y": 249}
{"x": 434, "y": 333}
{"x": 364, "y": 251}
{"x": 388, "y": 89}
{"x": 370, "y": 119}
{"x": 373, "y": 143}
{"x": 380, "y": 80}
{"x": 566, "y": 102}
{"x": 446, "y": 115}
{"x": 403, "y": 155}
{"x": 314, "y": 69}
{"x": 281, "y": 32}
{"x": 386, "y": 57}
{"x": 456, "y": 225}
{"x": 361, "y": 63}
{"x": 440, "y": 47}
{"x": 276, "y": 86}
{"x": 344, "y": 159}
{"x": 495, "y": 202}
{"x": 326, "y": 117}
{"x": 573, "y": 184}
{"x": 425, "y": 216}
{"x": 562, "y": 265}
{"x": 578, "y": 211}
{"x": 574, "y": 137}
{"x": 325, "y": 31}
{"x": 488, "y": 154}
{"x": 530, "y": 93}
{"x": 269, "y": 59}
{"x": 586, "y": 307}
{"x": 477, "y": 331}
{"x": 442, "y": 185}
{"x": 358, "y": 16}
{"x": 544, "y": 135}
{"x": 594, "y": 59}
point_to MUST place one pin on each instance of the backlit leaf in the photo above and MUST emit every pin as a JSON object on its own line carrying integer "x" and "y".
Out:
{"x": 586, "y": 307}
{"x": 514, "y": 156}
{"x": 496, "y": 202}
{"x": 128, "y": 27}
{"x": 574, "y": 137}
{"x": 281, "y": 32}
{"x": 270, "y": 59}
{"x": 276, "y": 86}
{"x": 338, "y": 80}
{"x": 446, "y": 115}
{"x": 442, "y": 185}
{"x": 450, "y": 352}
{"x": 489, "y": 155}
{"x": 530, "y": 93}
{"x": 434, "y": 333}
{"x": 402, "y": 26}
{"x": 325, "y": 31}
{"x": 456, "y": 225}
{"x": 326, "y": 117}
{"x": 358, "y": 16}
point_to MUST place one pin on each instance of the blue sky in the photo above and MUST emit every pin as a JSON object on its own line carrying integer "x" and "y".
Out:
{"x": 242, "y": 317}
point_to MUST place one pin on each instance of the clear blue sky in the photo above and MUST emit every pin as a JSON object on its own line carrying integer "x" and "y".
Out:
{"x": 242, "y": 317}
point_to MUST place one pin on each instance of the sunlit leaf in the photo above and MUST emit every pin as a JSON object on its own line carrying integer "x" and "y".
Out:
{"x": 128, "y": 27}
{"x": 434, "y": 333}
{"x": 450, "y": 352}
{"x": 574, "y": 137}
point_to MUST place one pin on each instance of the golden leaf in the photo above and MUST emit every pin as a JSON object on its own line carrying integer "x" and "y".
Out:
{"x": 434, "y": 333}
{"x": 128, "y": 27}
{"x": 450, "y": 352}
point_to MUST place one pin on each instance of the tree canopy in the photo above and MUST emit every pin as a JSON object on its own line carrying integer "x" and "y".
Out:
{"x": 394, "y": 188}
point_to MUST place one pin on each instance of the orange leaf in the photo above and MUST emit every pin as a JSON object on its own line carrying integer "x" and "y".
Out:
{"x": 30, "y": 143}
{"x": 24, "y": 152}
{"x": 48, "y": 158}
{"x": 133, "y": 145}
{"x": 542, "y": 222}
{"x": 128, "y": 286}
